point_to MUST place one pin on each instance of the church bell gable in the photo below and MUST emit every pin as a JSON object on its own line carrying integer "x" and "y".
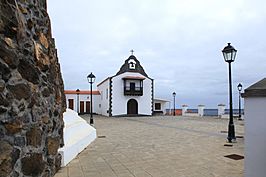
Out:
{"x": 132, "y": 65}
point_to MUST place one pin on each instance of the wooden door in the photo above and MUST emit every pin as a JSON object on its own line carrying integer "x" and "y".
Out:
{"x": 71, "y": 104}
{"x": 132, "y": 107}
{"x": 81, "y": 107}
{"x": 88, "y": 107}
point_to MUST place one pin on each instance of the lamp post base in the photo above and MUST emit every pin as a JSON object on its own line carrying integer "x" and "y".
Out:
{"x": 231, "y": 133}
{"x": 91, "y": 121}
{"x": 231, "y": 141}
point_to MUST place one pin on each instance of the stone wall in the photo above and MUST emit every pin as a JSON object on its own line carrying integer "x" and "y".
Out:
{"x": 32, "y": 100}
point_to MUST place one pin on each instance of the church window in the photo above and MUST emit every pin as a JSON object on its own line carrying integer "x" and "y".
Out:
{"x": 132, "y": 86}
{"x": 157, "y": 106}
{"x": 132, "y": 64}
{"x": 106, "y": 93}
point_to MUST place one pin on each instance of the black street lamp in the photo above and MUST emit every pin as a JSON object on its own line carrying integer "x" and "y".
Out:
{"x": 239, "y": 88}
{"x": 77, "y": 91}
{"x": 229, "y": 53}
{"x": 91, "y": 79}
{"x": 174, "y": 94}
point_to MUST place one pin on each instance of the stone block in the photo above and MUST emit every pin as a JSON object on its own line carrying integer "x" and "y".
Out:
{"x": 2, "y": 85}
{"x": 43, "y": 40}
{"x": 45, "y": 119}
{"x": 3, "y": 101}
{"x": 5, "y": 158}
{"x": 45, "y": 92}
{"x": 33, "y": 164}
{"x": 4, "y": 71}
{"x": 52, "y": 145}
{"x": 14, "y": 126}
{"x": 2, "y": 109}
{"x": 20, "y": 91}
{"x": 20, "y": 141}
{"x": 34, "y": 137}
{"x": 28, "y": 71}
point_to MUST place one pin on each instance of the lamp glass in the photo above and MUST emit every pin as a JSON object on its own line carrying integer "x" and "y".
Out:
{"x": 229, "y": 53}
{"x": 91, "y": 78}
{"x": 239, "y": 87}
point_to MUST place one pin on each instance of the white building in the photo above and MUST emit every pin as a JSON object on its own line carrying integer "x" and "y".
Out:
{"x": 79, "y": 101}
{"x": 160, "y": 106}
{"x": 129, "y": 92}
{"x": 255, "y": 129}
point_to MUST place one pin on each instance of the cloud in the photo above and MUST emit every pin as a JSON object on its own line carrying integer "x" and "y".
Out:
{"x": 178, "y": 43}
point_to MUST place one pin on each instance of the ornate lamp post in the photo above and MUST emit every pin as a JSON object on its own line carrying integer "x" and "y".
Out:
{"x": 91, "y": 79}
{"x": 239, "y": 88}
{"x": 229, "y": 54}
{"x": 174, "y": 94}
{"x": 77, "y": 91}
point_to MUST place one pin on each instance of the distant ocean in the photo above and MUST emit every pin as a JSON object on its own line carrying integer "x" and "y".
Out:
{"x": 212, "y": 112}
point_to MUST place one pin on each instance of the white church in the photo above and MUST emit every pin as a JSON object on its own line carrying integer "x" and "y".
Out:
{"x": 130, "y": 92}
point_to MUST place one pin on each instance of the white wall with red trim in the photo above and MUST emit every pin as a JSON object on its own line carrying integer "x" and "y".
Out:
{"x": 84, "y": 98}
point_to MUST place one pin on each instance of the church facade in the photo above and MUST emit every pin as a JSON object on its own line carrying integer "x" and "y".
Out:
{"x": 127, "y": 93}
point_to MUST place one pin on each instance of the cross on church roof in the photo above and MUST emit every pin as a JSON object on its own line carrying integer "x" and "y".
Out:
{"x": 132, "y": 51}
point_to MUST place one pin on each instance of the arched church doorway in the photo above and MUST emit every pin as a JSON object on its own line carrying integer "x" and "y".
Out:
{"x": 132, "y": 107}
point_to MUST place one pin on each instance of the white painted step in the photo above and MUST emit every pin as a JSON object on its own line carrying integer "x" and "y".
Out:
{"x": 78, "y": 134}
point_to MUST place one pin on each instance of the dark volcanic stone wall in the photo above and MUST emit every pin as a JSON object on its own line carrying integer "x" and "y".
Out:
{"x": 32, "y": 100}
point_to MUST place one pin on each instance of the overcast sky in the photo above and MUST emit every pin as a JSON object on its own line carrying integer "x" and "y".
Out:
{"x": 178, "y": 42}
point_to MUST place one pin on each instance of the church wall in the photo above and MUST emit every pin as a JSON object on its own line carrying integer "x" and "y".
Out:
{"x": 146, "y": 100}
{"x": 119, "y": 100}
{"x": 103, "y": 88}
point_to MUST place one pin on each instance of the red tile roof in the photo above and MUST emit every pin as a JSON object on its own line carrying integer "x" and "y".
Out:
{"x": 82, "y": 92}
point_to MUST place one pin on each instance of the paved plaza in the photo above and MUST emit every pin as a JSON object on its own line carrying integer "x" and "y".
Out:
{"x": 160, "y": 146}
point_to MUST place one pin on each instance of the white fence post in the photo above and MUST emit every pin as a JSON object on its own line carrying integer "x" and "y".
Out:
{"x": 201, "y": 110}
{"x": 221, "y": 110}
{"x": 184, "y": 109}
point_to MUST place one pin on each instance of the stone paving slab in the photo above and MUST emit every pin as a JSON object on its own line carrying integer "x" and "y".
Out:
{"x": 161, "y": 146}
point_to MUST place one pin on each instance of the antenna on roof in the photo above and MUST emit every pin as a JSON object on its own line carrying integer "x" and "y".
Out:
{"x": 132, "y": 51}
